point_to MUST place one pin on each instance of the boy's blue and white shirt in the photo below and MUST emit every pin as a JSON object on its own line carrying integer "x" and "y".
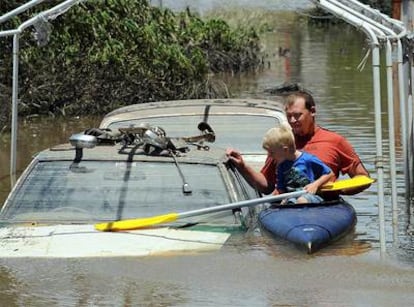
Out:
{"x": 294, "y": 175}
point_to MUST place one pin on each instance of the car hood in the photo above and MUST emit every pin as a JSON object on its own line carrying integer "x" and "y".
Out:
{"x": 67, "y": 241}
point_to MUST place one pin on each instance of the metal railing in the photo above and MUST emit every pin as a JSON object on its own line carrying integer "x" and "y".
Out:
{"x": 39, "y": 19}
{"x": 382, "y": 31}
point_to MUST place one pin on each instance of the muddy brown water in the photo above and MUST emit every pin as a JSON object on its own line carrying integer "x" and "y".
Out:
{"x": 251, "y": 269}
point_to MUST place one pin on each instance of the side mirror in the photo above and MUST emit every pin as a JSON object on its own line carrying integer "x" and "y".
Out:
{"x": 80, "y": 141}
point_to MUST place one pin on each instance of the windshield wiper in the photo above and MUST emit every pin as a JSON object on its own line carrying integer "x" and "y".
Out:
{"x": 186, "y": 187}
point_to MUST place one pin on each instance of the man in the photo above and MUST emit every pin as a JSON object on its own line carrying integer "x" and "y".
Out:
{"x": 333, "y": 149}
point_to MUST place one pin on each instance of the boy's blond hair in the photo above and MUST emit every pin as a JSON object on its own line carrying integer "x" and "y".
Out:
{"x": 278, "y": 137}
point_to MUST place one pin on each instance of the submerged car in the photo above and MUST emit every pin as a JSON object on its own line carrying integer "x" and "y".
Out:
{"x": 136, "y": 172}
{"x": 143, "y": 161}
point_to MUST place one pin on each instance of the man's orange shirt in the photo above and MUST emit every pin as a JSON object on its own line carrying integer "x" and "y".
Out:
{"x": 333, "y": 149}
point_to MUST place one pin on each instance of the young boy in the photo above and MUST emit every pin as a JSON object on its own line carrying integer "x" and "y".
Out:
{"x": 296, "y": 170}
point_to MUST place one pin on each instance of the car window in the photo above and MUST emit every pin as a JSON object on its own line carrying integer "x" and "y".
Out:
{"x": 244, "y": 132}
{"x": 107, "y": 190}
{"x": 241, "y": 186}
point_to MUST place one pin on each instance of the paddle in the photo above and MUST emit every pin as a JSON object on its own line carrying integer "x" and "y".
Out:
{"x": 345, "y": 184}
{"x": 137, "y": 223}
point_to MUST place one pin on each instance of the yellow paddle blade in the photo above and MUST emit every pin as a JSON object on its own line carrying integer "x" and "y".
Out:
{"x": 136, "y": 223}
{"x": 343, "y": 184}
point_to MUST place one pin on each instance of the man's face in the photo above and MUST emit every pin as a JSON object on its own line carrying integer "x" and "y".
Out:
{"x": 300, "y": 119}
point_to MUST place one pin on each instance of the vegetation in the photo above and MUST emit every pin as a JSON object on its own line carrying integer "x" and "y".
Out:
{"x": 102, "y": 54}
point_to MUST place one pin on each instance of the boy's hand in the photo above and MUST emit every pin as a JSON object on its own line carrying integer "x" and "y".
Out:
{"x": 235, "y": 156}
{"x": 311, "y": 188}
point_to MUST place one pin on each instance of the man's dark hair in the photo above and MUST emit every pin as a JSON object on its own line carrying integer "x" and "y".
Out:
{"x": 309, "y": 101}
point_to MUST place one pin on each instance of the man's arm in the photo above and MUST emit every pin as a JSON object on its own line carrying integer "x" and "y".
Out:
{"x": 353, "y": 167}
{"x": 357, "y": 171}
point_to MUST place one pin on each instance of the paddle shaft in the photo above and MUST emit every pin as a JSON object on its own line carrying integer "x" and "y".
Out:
{"x": 131, "y": 224}
{"x": 340, "y": 184}
{"x": 356, "y": 181}
{"x": 239, "y": 204}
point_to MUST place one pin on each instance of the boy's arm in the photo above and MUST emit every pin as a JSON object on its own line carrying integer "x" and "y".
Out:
{"x": 254, "y": 178}
{"x": 314, "y": 186}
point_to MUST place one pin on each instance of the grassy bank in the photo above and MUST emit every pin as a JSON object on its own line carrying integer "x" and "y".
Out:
{"x": 103, "y": 54}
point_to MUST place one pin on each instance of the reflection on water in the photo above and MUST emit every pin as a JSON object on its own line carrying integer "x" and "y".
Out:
{"x": 252, "y": 269}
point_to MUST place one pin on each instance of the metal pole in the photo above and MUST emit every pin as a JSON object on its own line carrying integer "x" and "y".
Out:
{"x": 15, "y": 89}
{"x": 404, "y": 114}
{"x": 51, "y": 13}
{"x": 380, "y": 158}
{"x": 391, "y": 140}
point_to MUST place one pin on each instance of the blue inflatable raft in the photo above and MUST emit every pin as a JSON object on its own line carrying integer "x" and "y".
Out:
{"x": 311, "y": 226}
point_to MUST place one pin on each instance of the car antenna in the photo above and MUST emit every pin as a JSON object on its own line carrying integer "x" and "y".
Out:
{"x": 156, "y": 137}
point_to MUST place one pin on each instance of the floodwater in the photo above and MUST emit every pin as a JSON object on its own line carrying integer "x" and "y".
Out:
{"x": 251, "y": 269}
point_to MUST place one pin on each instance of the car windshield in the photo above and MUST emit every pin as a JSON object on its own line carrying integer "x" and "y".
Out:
{"x": 244, "y": 132}
{"x": 108, "y": 190}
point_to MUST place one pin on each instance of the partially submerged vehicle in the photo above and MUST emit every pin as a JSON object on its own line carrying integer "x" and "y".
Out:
{"x": 125, "y": 169}
{"x": 103, "y": 176}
